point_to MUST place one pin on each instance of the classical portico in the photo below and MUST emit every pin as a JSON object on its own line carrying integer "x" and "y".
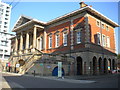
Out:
{"x": 26, "y": 40}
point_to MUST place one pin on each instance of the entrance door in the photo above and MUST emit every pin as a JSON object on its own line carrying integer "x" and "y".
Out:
{"x": 79, "y": 66}
{"x": 55, "y": 71}
{"x": 94, "y": 65}
{"x": 100, "y": 65}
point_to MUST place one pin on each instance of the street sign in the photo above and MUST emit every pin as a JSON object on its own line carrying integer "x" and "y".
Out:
{"x": 59, "y": 69}
{"x": 17, "y": 65}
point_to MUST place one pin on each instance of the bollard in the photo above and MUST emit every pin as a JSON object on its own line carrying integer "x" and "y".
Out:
{"x": 34, "y": 73}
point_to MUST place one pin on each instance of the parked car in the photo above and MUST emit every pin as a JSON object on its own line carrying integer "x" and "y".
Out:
{"x": 115, "y": 71}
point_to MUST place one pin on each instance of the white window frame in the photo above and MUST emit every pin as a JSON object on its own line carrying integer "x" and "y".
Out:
{"x": 57, "y": 39}
{"x": 103, "y": 40}
{"x": 97, "y": 23}
{"x": 65, "y": 38}
{"x": 107, "y": 28}
{"x": 78, "y": 37}
{"x": 50, "y": 41}
{"x": 102, "y": 25}
{"x": 108, "y": 41}
{"x": 99, "y": 38}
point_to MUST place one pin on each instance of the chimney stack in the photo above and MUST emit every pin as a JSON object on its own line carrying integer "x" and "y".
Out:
{"x": 82, "y": 4}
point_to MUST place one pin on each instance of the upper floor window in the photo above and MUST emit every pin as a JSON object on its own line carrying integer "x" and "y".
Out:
{"x": 7, "y": 7}
{"x": 103, "y": 26}
{"x": 108, "y": 42}
{"x": 65, "y": 38}
{"x": 78, "y": 35}
{"x": 6, "y": 51}
{"x": 98, "y": 38}
{"x": 1, "y": 50}
{"x": 0, "y": 22}
{"x": 50, "y": 41}
{"x": 107, "y": 28}
{"x": 57, "y": 40}
{"x": 1, "y": 55}
{"x": 98, "y": 23}
{"x": 103, "y": 40}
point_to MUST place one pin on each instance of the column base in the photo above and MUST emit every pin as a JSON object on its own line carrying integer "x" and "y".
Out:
{"x": 26, "y": 51}
{"x": 20, "y": 52}
{"x": 33, "y": 50}
{"x": 15, "y": 53}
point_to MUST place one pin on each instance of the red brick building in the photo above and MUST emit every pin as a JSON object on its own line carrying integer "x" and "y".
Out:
{"x": 82, "y": 40}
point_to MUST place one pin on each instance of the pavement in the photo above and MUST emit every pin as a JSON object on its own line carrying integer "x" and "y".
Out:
{"x": 4, "y": 83}
{"x": 65, "y": 79}
{"x": 68, "y": 79}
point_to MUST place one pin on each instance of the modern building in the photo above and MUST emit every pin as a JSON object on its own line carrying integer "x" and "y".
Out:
{"x": 5, "y": 42}
{"x": 83, "y": 40}
{"x": 5, "y": 12}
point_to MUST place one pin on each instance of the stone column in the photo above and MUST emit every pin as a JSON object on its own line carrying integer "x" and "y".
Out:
{"x": 21, "y": 43}
{"x": 27, "y": 42}
{"x": 16, "y": 45}
{"x": 34, "y": 38}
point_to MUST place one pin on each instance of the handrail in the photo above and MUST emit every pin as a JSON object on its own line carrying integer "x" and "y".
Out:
{"x": 38, "y": 51}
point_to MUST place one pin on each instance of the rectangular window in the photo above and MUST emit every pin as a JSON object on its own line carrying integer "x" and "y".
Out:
{"x": 56, "y": 40}
{"x": 0, "y": 22}
{"x": 98, "y": 38}
{"x": 98, "y": 23}
{"x": 1, "y": 55}
{"x": 6, "y": 56}
{"x": 108, "y": 42}
{"x": 78, "y": 34}
{"x": 65, "y": 39}
{"x": 50, "y": 41}
{"x": 103, "y": 26}
{"x": 1, "y": 51}
{"x": 103, "y": 40}
{"x": 107, "y": 28}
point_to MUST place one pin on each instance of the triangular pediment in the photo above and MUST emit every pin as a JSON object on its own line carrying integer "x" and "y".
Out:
{"x": 22, "y": 20}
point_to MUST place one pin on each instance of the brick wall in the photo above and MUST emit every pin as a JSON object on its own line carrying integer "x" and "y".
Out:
{"x": 94, "y": 29}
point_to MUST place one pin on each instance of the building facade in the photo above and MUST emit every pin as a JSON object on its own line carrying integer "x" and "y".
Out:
{"x": 82, "y": 40}
{"x": 5, "y": 42}
{"x": 5, "y": 12}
